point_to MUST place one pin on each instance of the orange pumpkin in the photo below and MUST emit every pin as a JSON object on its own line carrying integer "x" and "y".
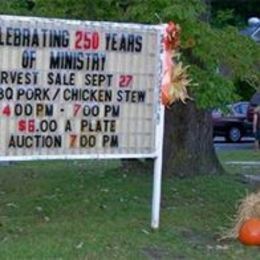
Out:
{"x": 249, "y": 233}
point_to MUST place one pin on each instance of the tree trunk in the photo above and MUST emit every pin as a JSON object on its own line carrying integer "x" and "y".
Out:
{"x": 188, "y": 143}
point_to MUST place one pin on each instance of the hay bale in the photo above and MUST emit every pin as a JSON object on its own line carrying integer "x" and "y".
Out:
{"x": 249, "y": 208}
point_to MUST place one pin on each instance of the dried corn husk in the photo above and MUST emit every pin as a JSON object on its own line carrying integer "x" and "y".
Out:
{"x": 175, "y": 77}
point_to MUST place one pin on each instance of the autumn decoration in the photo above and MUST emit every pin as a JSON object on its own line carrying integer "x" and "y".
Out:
{"x": 175, "y": 78}
{"x": 247, "y": 221}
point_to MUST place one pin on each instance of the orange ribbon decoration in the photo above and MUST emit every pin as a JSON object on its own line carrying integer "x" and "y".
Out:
{"x": 171, "y": 43}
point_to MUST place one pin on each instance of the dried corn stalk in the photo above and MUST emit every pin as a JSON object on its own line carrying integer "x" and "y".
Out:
{"x": 175, "y": 79}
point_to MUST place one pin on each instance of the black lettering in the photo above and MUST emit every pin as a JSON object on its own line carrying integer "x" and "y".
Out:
{"x": 79, "y": 63}
{"x": 87, "y": 141}
{"x": 39, "y": 110}
{"x": 68, "y": 61}
{"x": 98, "y": 80}
{"x": 110, "y": 141}
{"x": 131, "y": 42}
{"x": 56, "y": 39}
{"x": 114, "y": 42}
{"x": 76, "y": 94}
{"x": 65, "y": 38}
{"x": 55, "y": 60}
{"x": 91, "y": 110}
{"x": 18, "y": 77}
{"x": 9, "y": 36}
{"x": 66, "y": 79}
{"x": 96, "y": 126}
{"x": 49, "y": 110}
{"x": 28, "y": 80}
{"x": 77, "y": 60}
{"x": 37, "y": 141}
{"x": 26, "y": 37}
{"x": 141, "y": 96}
{"x": 27, "y": 142}
{"x": 37, "y": 93}
{"x": 111, "y": 110}
{"x": 35, "y": 38}
{"x": 11, "y": 143}
{"x": 44, "y": 37}
{"x": 95, "y": 62}
{"x": 50, "y": 78}
{"x": 1, "y": 37}
{"x": 123, "y": 43}
{"x": 68, "y": 126}
{"x": 48, "y": 141}
{"x": 83, "y": 125}
{"x": 44, "y": 110}
{"x": 93, "y": 95}
{"x": 4, "y": 77}
{"x": 133, "y": 96}
{"x": 138, "y": 43}
{"x": 48, "y": 125}
{"x": 6, "y": 93}
{"x": 45, "y": 94}
{"x": 108, "y": 39}
{"x": 119, "y": 95}
{"x": 87, "y": 79}
{"x": 20, "y": 93}
{"x": 17, "y": 37}
{"x": 25, "y": 109}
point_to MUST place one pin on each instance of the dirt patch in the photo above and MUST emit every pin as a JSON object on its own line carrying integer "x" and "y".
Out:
{"x": 155, "y": 253}
{"x": 197, "y": 238}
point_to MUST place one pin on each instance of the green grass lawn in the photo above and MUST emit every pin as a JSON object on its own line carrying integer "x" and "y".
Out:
{"x": 94, "y": 210}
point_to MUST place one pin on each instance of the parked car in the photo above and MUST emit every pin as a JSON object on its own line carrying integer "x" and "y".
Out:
{"x": 254, "y": 102}
{"x": 232, "y": 125}
{"x": 238, "y": 122}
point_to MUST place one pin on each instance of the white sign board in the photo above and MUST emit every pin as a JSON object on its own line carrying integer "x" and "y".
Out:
{"x": 71, "y": 89}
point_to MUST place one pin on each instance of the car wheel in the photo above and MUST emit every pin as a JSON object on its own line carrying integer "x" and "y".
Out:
{"x": 234, "y": 135}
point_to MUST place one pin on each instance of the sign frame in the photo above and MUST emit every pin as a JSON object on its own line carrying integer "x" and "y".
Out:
{"x": 158, "y": 114}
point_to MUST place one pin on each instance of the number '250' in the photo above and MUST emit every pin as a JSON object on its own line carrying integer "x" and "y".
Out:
{"x": 86, "y": 40}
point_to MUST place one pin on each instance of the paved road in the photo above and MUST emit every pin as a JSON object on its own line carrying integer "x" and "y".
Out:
{"x": 245, "y": 144}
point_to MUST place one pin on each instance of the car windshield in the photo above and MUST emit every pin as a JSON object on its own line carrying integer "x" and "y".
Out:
{"x": 237, "y": 109}
{"x": 241, "y": 108}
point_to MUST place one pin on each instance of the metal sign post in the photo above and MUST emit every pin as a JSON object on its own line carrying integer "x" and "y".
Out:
{"x": 157, "y": 179}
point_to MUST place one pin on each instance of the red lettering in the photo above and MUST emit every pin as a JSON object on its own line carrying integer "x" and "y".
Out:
{"x": 26, "y": 125}
{"x": 125, "y": 81}
{"x": 87, "y": 40}
{"x": 6, "y": 110}
{"x": 76, "y": 109}
{"x": 73, "y": 139}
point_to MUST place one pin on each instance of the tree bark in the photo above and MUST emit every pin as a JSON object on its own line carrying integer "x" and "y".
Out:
{"x": 188, "y": 143}
{"x": 188, "y": 148}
